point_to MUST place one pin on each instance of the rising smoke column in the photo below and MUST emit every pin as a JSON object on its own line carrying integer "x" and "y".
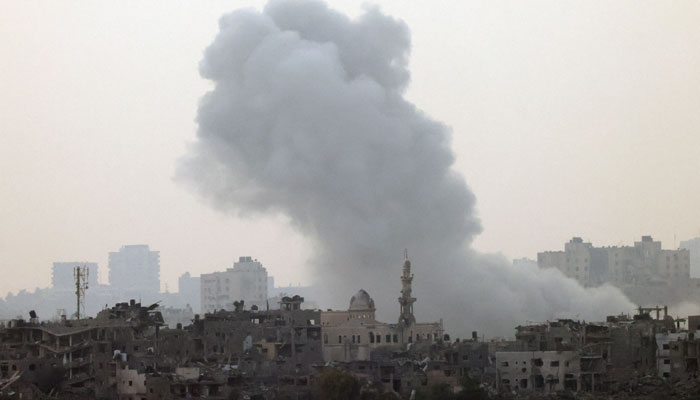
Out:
{"x": 307, "y": 118}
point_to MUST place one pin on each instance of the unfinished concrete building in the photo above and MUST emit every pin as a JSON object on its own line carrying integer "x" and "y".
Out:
{"x": 76, "y": 356}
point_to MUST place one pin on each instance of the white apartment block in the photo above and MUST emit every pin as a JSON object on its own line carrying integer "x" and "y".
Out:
{"x": 246, "y": 281}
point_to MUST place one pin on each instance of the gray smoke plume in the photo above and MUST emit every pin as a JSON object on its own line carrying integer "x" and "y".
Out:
{"x": 307, "y": 118}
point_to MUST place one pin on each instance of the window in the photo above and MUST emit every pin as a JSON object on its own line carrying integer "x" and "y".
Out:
{"x": 667, "y": 362}
{"x": 340, "y": 339}
{"x": 379, "y": 338}
{"x": 504, "y": 364}
{"x": 325, "y": 338}
{"x": 554, "y": 364}
{"x": 388, "y": 338}
{"x": 131, "y": 383}
{"x": 371, "y": 337}
{"x": 396, "y": 338}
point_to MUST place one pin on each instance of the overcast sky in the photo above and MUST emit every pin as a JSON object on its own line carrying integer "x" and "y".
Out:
{"x": 569, "y": 118}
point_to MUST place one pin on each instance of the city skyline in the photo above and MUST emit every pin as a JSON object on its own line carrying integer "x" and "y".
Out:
{"x": 127, "y": 125}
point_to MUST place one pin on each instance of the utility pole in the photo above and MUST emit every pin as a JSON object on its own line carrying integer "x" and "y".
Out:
{"x": 81, "y": 285}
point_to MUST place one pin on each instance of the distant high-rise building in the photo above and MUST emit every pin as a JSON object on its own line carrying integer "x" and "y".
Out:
{"x": 62, "y": 277}
{"x": 135, "y": 269}
{"x": 693, "y": 246}
{"x": 246, "y": 281}
{"x": 188, "y": 289}
{"x": 644, "y": 263}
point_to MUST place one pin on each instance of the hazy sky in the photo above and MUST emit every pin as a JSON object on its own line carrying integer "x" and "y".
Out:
{"x": 569, "y": 118}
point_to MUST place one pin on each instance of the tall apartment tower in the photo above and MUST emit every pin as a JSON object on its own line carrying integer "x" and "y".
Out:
{"x": 135, "y": 270}
{"x": 62, "y": 274}
{"x": 246, "y": 281}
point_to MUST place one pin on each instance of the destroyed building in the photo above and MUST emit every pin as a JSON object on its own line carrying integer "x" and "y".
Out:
{"x": 125, "y": 352}
{"x": 587, "y": 357}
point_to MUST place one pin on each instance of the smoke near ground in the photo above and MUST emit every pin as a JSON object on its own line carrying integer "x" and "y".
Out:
{"x": 307, "y": 119}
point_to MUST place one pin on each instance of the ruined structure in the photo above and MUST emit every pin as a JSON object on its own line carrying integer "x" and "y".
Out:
{"x": 128, "y": 352}
{"x": 567, "y": 355}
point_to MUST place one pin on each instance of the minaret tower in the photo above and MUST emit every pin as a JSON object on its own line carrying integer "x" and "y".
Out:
{"x": 406, "y": 301}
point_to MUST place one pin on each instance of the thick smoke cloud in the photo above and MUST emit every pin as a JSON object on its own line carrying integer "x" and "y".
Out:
{"x": 307, "y": 118}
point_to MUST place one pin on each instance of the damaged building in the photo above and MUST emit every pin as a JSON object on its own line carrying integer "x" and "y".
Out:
{"x": 567, "y": 355}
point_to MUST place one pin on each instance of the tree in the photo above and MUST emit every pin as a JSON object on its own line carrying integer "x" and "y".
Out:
{"x": 471, "y": 389}
{"x": 335, "y": 384}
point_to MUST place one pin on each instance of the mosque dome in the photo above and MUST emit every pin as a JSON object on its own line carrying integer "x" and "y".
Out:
{"x": 361, "y": 301}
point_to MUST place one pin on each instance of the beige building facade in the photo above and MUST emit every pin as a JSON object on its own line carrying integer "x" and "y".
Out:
{"x": 246, "y": 281}
{"x": 354, "y": 334}
{"x": 645, "y": 263}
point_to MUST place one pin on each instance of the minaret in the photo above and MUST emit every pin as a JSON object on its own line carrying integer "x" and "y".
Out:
{"x": 406, "y": 301}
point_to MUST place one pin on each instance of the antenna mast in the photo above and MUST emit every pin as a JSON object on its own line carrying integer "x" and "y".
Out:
{"x": 81, "y": 285}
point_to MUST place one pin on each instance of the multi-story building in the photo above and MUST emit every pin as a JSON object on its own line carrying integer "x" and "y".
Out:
{"x": 583, "y": 356}
{"x": 188, "y": 289}
{"x": 693, "y": 246}
{"x": 246, "y": 281}
{"x": 135, "y": 270}
{"x": 62, "y": 277}
{"x": 644, "y": 264}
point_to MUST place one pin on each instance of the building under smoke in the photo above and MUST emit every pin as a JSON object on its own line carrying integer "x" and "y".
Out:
{"x": 645, "y": 272}
{"x": 307, "y": 119}
{"x": 246, "y": 281}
